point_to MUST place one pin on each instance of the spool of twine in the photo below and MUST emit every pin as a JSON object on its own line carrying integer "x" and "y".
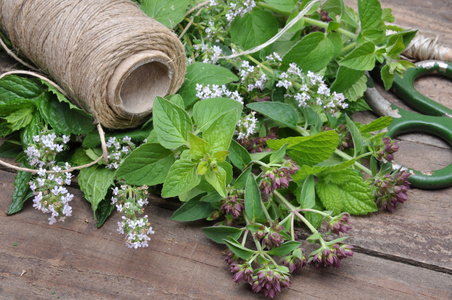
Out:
{"x": 110, "y": 58}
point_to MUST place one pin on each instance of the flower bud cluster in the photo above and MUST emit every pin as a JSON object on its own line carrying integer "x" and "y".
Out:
{"x": 386, "y": 151}
{"x": 310, "y": 89}
{"x": 50, "y": 195}
{"x": 233, "y": 204}
{"x": 295, "y": 261}
{"x": 259, "y": 144}
{"x": 130, "y": 201}
{"x": 270, "y": 236}
{"x": 269, "y": 280}
{"x": 391, "y": 189}
{"x": 118, "y": 149}
{"x": 340, "y": 224}
{"x": 275, "y": 178}
{"x": 330, "y": 255}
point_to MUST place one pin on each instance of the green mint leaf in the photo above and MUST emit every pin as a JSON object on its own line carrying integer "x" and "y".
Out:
{"x": 313, "y": 52}
{"x": 358, "y": 140}
{"x": 95, "y": 182}
{"x": 59, "y": 95}
{"x": 14, "y": 105}
{"x": 178, "y": 100}
{"x": 220, "y": 133}
{"x": 213, "y": 198}
{"x": 370, "y": 13}
{"x": 307, "y": 195}
{"x": 10, "y": 148}
{"x": 220, "y": 156}
{"x": 35, "y": 127}
{"x": 198, "y": 147}
{"x": 253, "y": 200}
{"x": 387, "y": 76}
{"x": 240, "y": 182}
{"x": 192, "y": 210}
{"x": 361, "y": 58}
{"x": 278, "y": 155}
{"x": 345, "y": 191}
{"x": 13, "y": 87}
{"x": 284, "y": 249}
{"x": 217, "y": 180}
{"x": 253, "y": 29}
{"x": 356, "y": 91}
{"x": 305, "y": 170}
{"x": 104, "y": 210}
{"x": 171, "y": 123}
{"x": 62, "y": 118}
{"x": 333, "y": 6}
{"x": 20, "y": 118}
{"x": 219, "y": 233}
{"x": 181, "y": 178}
{"x": 169, "y": 12}
{"x": 238, "y": 249}
{"x": 147, "y": 165}
{"x": 345, "y": 78}
{"x": 376, "y": 125}
{"x": 282, "y": 5}
{"x": 205, "y": 112}
{"x": 280, "y": 112}
{"x": 336, "y": 43}
{"x": 309, "y": 150}
{"x": 203, "y": 73}
{"x": 238, "y": 155}
{"x": 22, "y": 191}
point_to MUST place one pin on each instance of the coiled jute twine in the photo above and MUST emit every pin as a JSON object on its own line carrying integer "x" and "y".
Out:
{"x": 108, "y": 56}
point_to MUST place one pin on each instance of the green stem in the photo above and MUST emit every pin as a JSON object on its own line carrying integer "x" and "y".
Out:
{"x": 348, "y": 157}
{"x": 294, "y": 211}
{"x": 325, "y": 26}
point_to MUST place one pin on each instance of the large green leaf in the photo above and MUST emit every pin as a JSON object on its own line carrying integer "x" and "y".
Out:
{"x": 239, "y": 156}
{"x": 62, "y": 118}
{"x": 219, "y": 233}
{"x": 193, "y": 209}
{"x": 361, "y": 58}
{"x": 171, "y": 123}
{"x": 282, "y": 5}
{"x": 280, "y": 112}
{"x": 309, "y": 150}
{"x": 13, "y": 87}
{"x": 253, "y": 200}
{"x": 22, "y": 191}
{"x": 205, "y": 112}
{"x": 147, "y": 165}
{"x": 253, "y": 29}
{"x": 169, "y": 12}
{"x": 370, "y": 13}
{"x": 95, "y": 182}
{"x": 312, "y": 53}
{"x": 219, "y": 134}
{"x": 181, "y": 178}
{"x": 345, "y": 191}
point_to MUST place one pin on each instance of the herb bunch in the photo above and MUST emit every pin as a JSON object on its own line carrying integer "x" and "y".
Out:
{"x": 258, "y": 141}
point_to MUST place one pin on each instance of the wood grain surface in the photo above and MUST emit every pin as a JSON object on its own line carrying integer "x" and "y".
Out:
{"x": 406, "y": 254}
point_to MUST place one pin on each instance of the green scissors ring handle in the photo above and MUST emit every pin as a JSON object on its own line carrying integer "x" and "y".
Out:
{"x": 435, "y": 118}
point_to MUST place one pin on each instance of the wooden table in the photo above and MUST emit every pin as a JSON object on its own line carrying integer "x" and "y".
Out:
{"x": 402, "y": 255}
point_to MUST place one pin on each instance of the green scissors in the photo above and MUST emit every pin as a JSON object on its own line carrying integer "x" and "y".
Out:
{"x": 435, "y": 119}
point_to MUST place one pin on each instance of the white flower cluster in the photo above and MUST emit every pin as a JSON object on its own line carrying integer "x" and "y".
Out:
{"x": 239, "y": 8}
{"x": 209, "y": 54}
{"x": 50, "y": 195}
{"x": 117, "y": 150}
{"x": 252, "y": 76}
{"x": 130, "y": 201}
{"x": 216, "y": 91}
{"x": 310, "y": 89}
{"x": 246, "y": 126}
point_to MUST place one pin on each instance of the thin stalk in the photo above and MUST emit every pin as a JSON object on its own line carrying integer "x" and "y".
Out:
{"x": 348, "y": 157}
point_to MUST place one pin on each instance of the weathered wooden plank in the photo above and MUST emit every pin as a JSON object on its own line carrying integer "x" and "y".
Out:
{"x": 77, "y": 261}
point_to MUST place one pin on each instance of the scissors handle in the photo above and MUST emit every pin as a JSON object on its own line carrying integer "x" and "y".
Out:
{"x": 437, "y": 121}
{"x": 404, "y": 87}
